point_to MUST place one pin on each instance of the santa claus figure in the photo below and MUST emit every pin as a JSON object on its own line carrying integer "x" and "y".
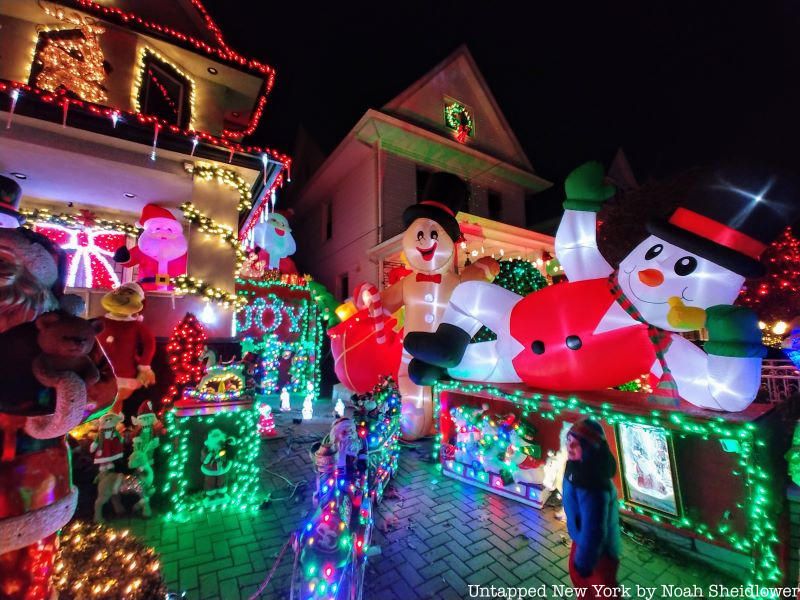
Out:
{"x": 604, "y": 327}
{"x": 429, "y": 245}
{"x": 108, "y": 446}
{"x": 276, "y": 243}
{"x": 127, "y": 342}
{"x": 160, "y": 251}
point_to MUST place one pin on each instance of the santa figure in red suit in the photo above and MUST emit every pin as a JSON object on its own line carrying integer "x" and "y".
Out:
{"x": 160, "y": 251}
{"x": 107, "y": 447}
{"x": 127, "y": 342}
{"x": 605, "y": 326}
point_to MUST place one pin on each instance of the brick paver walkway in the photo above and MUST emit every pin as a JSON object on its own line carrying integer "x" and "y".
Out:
{"x": 436, "y": 537}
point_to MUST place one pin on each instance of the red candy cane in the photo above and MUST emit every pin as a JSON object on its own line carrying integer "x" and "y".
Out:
{"x": 367, "y": 295}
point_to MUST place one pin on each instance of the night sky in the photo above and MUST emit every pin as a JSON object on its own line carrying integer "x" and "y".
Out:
{"x": 674, "y": 84}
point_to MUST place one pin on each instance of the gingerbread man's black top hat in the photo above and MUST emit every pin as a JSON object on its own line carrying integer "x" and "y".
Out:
{"x": 445, "y": 194}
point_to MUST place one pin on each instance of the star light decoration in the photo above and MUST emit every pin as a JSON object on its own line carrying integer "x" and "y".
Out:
{"x": 90, "y": 250}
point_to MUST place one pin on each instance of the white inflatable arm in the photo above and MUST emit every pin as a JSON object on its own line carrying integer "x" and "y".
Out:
{"x": 576, "y": 246}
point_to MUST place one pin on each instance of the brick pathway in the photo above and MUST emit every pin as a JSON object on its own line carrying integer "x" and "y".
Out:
{"x": 437, "y": 537}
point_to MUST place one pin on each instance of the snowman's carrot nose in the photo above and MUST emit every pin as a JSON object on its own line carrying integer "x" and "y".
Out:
{"x": 651, "y": 277}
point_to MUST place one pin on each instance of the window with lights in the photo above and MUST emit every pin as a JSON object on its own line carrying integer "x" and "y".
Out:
{"x": 164, "y": 92}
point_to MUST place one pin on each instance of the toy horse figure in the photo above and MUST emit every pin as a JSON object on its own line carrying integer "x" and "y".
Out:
{"x": 110, "y": 485}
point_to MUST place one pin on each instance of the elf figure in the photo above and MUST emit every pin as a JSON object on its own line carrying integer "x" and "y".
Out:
{"x": 429, "y": 245}
{"x": 276, "y": 243}
{"x": 107, "y": 447}
{"x": 605, "y": 327}
{"x": 127, "y": 342}
{"x": 148, "y": 428}
{"x": 160, "y": 251}
{"x": 215, "y": 464}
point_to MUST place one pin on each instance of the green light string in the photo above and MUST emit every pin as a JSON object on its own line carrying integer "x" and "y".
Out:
{"x": 244, "y": 474}
{"x": 758, "y": 505}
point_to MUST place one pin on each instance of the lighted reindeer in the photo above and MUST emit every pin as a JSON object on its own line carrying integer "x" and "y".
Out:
{"x": 110, "y": 484}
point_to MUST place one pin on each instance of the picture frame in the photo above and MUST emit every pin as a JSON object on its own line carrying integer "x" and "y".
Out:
{"x": 647, "y": 468}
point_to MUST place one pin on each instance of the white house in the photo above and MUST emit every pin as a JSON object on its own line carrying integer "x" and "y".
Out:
{"x": 349, "y": 212}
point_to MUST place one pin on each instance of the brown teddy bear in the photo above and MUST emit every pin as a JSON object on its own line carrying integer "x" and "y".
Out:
{"x": 65, "y": 341}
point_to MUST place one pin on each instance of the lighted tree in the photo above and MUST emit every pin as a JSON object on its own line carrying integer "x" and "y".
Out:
{"x": 519, "y": 276}
{"x": 185, "y": 349}
{"x": 72, "y": 59}
{"x": 775, "y": 297}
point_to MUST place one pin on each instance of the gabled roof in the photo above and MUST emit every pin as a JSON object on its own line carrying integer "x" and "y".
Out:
{"x": 458, "y": 78}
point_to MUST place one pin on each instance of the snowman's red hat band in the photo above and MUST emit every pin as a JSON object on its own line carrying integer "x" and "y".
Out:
{"x": 439, "y": 205}
{"x": 717, "y": 232}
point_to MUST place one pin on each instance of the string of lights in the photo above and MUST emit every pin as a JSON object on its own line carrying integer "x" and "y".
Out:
{"x": 758, "y": 507}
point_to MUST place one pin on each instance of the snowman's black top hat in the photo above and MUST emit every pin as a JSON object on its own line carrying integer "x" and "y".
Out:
{"x": 731, "y": 218}
{"x": 10, "y": 195}
{"x": 445, "y": 194}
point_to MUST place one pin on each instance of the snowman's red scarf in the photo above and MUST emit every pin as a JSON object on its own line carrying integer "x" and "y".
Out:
{"x": 666, "y": 391}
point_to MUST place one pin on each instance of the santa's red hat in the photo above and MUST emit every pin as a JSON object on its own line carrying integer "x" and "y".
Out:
{"x": 145, "y": 408}
{"x": 154, "y": 211}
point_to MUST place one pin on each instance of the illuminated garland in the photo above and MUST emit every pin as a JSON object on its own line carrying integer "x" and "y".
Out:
{"x": 95, "y": 561}
{"x": 77, "y": 221}
{"x": 227, "y": 177}
{"x": 188, "y": 285}
{"x": 209, "y": 226}
{"x": 761, "y": 540}
{"x": 244, "y": 474}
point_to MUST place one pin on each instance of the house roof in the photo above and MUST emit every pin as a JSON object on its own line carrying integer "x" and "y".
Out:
{"x": 458, "y": 74}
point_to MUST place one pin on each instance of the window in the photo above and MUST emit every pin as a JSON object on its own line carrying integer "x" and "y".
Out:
{"x": 495, "y": 203}
{"x": 164, "y": 92}
{"x": 344, "y": 286}
{"x": 327, "y": 219}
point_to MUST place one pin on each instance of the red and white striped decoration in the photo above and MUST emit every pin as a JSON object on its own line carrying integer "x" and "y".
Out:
{"x": 367, "y": 296}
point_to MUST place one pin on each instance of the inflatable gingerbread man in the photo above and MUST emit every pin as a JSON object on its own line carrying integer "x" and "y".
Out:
{"x": 605, "y": 327}
{"x": 429, "y": 245}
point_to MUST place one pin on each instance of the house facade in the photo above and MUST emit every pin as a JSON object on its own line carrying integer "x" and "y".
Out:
{"x": 107, "y": 108}
{"x": 349, "y": 213}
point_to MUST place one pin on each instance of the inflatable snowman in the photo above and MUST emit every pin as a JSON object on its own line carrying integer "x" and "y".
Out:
{"x": 276, "y": 243}
{"x": 605, "y": 327}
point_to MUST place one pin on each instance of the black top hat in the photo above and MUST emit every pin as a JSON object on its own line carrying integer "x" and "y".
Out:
{"x": 444, "y": 195}
{"x": 731, "y": 218}
{"x": 10, "y": 195}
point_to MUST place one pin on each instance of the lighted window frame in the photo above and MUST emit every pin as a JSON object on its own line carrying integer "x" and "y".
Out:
{"x": 168, "y": 74}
